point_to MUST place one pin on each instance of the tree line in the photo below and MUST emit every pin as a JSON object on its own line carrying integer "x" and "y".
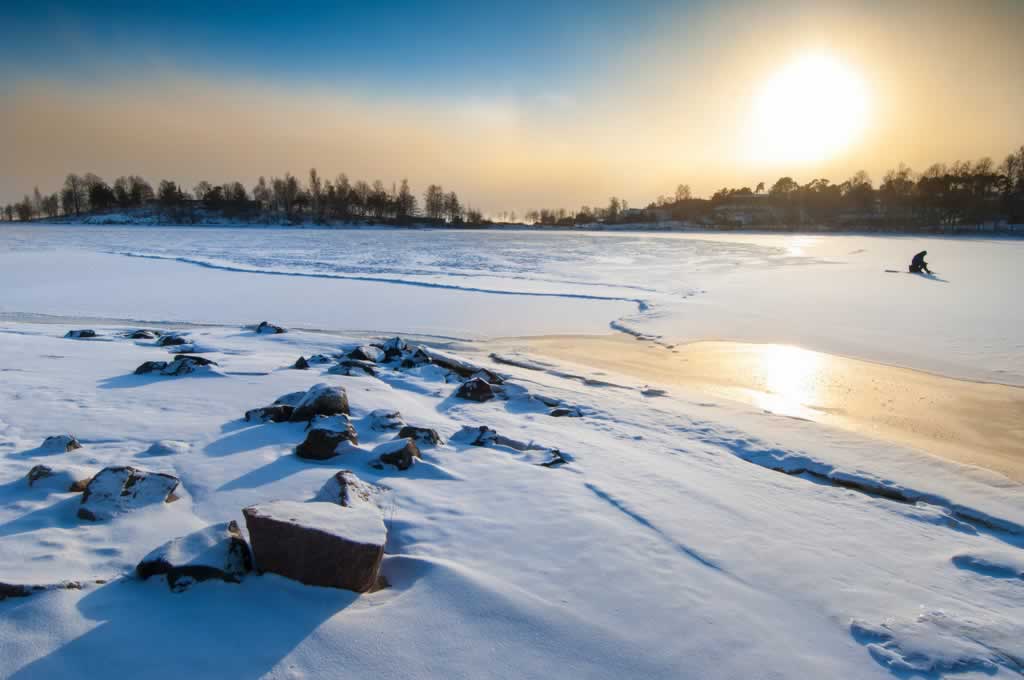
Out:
{"x": 962, "y": 193}
{"x": 283, "y": 199}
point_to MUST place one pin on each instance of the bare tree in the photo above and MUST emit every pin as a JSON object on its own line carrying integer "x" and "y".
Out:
{"x": 433, "y": 201}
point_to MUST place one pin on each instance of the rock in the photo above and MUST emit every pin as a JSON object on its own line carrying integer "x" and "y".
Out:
{"x": 165, "y": 447}
{"x": 399, "y": 453}
{"x": 475, "y": 389}
{"x": 83, "y": 333}
{"x": 121, "y": 489}
{"x": 321, "y": 400}
{"x": 276, "y": 413}
{"x": 60, "y": 442}
{"x": 318, "y": 544}
{"x": 354, "y": 367}
{"x": 394, "y": 348}
{"x": 565, "y": 412}
{"x": 141, "y": 334}
{"x": 557, "y": 459}
{"x": 485, "y": 436}
{"x": 150, "y": 367}
{"x": 367, "y": 353}
{"x": 183, "y": 364}
{"x": 487, "y": 376}
{"x": 383, "y": 420}
{"x": 267, "y": 328}
{"x": 291, "y": 399}
{"x": 345, "y": 488}
{"x": 24, "y": 590}
{"x": 421, "y": 435}
{"x": 324, "y": 436}
{"x": 171, "y": 339}
{"x": 301, "y": 364}
{"x": 216, "y": 552}
{"x": 63, "y": 479}
{"x": 418, "y": 357}
{"x": 463, "y": 369}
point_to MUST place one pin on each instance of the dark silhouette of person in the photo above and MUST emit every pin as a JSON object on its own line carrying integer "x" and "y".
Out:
{"x": 918, "y": 265}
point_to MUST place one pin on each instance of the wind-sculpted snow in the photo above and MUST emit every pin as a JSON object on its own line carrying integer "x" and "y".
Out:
{"x": 656, "y": 548}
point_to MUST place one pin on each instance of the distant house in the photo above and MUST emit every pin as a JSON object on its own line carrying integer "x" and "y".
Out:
{"x": 633, "y": 215}
{"x": 745, "y": 210}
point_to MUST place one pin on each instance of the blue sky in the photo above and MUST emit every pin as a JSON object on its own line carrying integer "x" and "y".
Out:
{"x": 468, "y": 46}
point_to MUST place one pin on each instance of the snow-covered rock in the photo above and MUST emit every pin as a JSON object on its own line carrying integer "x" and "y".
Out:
{"x": 183, "y": 364}
{"x": 345, "y": 488}
{"x": 321, "y": 400}
{"x": 423, "y": 436}
{"x": 565, "y": 412}
{"x": 275, "y": 413}
{"x": 301, "y": 364}
{"x": 354, "y": 367}
{"x": 171, "y": 339}
{"x": 394, "y": 347}
{"x": 79, "y": 334}
{"x": 399, "y": 453}
{"x": 216, "y": 552}
{"x": 119, "y": 489}
{"x": 318, "y": 543}
{"x": 141, "y": 334}
{"x": 267, "y": 328}
{"x": 165, "y": 447}
{"x": 367, "y": 353}
{"x": 384, "y": 420}
{"x": 475, "y": 389}
{"x": 324, "y": 435}
{"x": 59, "y": 478}
{"x": 60, "y": 442}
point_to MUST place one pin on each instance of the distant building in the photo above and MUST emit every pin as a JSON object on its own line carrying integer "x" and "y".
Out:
{"x": 745, "y": 210}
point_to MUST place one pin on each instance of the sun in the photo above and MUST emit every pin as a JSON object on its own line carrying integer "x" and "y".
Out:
{"x": 808, "y": 111}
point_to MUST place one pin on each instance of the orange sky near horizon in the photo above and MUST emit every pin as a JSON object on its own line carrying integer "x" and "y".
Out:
{"x": 936, "y": 82}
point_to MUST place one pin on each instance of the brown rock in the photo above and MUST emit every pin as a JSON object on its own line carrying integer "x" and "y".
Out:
{"x": 324, "y": 436}
{"x": 319, "y": 544}
{"x": 321, "y": 400}
{"x": 475, "y": 390}
{"x": 398, "y": 453}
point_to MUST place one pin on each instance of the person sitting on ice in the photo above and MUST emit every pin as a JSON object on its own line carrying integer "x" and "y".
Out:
{"x": 918, "y": 265}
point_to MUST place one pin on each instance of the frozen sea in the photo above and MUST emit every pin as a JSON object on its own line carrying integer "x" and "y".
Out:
{"x": 830, "y": 293}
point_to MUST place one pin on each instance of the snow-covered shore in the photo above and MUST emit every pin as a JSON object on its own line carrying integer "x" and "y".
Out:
{"x": 667, "y": 546}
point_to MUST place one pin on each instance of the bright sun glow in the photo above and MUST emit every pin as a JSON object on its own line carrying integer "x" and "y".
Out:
{"x": 809, "y": 111}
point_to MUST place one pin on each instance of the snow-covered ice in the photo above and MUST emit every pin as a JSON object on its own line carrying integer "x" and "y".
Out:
{"x": 683, "y": 537}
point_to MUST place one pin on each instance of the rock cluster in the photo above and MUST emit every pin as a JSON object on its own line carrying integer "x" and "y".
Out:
{"x": 183, "y": 364}
{"x": 319, "y": 400}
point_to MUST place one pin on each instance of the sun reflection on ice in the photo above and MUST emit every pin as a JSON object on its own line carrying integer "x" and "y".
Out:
{"x": 791, "y": 379}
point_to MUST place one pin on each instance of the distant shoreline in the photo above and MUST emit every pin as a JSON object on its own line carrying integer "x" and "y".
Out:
{"x": 1011, "y": 231}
